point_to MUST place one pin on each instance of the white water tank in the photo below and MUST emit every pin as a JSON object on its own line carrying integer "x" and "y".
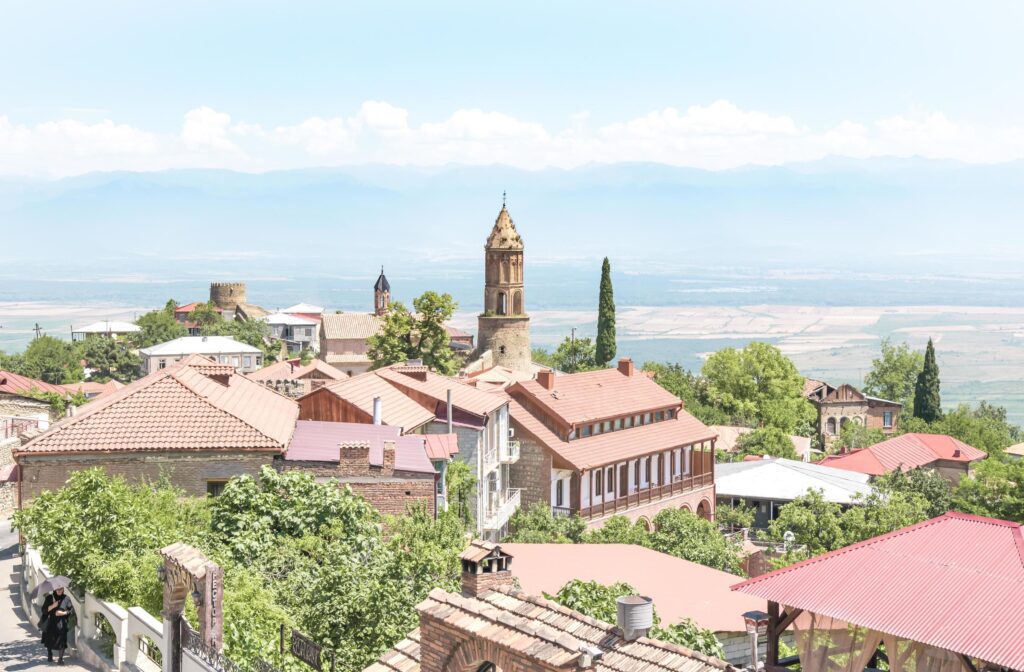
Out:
{"x": 634, "y": 616}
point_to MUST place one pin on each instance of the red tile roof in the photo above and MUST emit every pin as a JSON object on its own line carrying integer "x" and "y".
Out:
{"x": 92, "y": 389}
{"x": 13, "y": 383}
{"x": 292, "y": 370}
{"x": 436, "y": 387}
{"x": 596, "y": 395}
{"x": 317, "y": 441}
{"x": 189, "y": 307}
{"x": 180, "y": 408}
{"x": 955, "y": 582}
{"x": 906, "y": 451}
{"x": 396, "y": 408}
{"x": 441, "y": 446}
{"x": 625, "y": 444}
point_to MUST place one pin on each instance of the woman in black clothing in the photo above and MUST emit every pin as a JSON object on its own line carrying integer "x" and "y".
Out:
{"x": 57, "y": 610}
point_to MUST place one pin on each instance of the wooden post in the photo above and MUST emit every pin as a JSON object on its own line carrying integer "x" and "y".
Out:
{"x": 772, "y": 654}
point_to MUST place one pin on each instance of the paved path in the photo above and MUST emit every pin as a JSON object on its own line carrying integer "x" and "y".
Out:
{"x": 19, "y": 642}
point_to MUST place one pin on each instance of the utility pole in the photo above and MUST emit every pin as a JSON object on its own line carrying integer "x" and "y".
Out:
{"x": 38, "y": 330}
{"x": 572, "y": 350}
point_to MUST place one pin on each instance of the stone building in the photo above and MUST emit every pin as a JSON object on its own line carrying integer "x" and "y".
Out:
{"x": 389, "y": 470}
{"x": 228, "y": 295}
{"x": 838, "y": 406}
{"x": 196, "y": 422}
{"x": 19, "y": 411}
{"x": 610, "y": 442}
{"x": 492, "y": 625}
{"x": 503, "y": 336}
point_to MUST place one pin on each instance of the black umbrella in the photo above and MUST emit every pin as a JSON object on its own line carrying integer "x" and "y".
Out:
{"x": 50, "y": 585}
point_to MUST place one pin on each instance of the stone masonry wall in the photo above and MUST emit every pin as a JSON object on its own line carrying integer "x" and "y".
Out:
{"x": 190, "y": 472}
{"x": 393, "y": 496}
{"x": 510, "y": 333}
{"x": 532, "y": 473}
{"x": 21, "y": 407}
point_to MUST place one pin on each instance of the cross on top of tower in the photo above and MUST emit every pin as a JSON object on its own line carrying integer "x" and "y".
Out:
{"x": 503, "y": 199}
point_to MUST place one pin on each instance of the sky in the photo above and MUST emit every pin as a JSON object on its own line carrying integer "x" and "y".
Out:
{"x": 258, "y": 86}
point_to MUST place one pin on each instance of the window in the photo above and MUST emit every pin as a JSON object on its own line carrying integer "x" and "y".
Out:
{"x": 559, "y": 492}
{"x": 162, "y": 364}
{"x": 610, "y": 479}
{"x": 223, "y": 359}
{"x": 618, "y": 424}
{"x": 629, "y": 422}
{"x": 652, "y": 469}
{"x": 830, "y": 426}
{"x": 608, "y": 425}
{"x": 235, "y": 360}
{"x": 671, "y": 413}
{"x": 597, "y": 482}
{"x": 501, "y": 349}
{"x": 259, "y": 360}
{"x": 887, "y": 420}
{"x": 215, "y": 488}
{"x": 586, "y": 431}
{"x": 247, "y": 360}
{"x": 661, "y": 416}
{"x": 636, "y": 421}
{"x": 647, "y": 418}
{"x": 647, "y": 470}
{"x": 597, "y": 428}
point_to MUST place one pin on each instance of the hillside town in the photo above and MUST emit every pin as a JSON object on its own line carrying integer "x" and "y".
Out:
{"x": 231, "y": 486}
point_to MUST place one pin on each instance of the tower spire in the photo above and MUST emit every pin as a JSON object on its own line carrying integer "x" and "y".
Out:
{"x": 503, "y": 194}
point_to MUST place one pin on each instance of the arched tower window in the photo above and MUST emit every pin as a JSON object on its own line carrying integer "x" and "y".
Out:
{"x": 830, "y": 426}
{"x": 502, "y": 307}
{"x": 517, "y": 303}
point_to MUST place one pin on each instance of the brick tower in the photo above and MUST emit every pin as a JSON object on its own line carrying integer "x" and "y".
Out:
{"x": 504, "y": 327}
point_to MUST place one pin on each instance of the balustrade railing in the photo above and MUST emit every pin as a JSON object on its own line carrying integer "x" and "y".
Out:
{"x": 611, "y": 505}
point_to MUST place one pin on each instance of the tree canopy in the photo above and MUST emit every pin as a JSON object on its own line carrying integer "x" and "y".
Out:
{"x": 110, "y": 359}
{"x": 692, "y": 389}
{"x": 158, "y": 326}
{"x": 994, "y": 490}
{"x": 985, "y": 426}
{"x": 572, "y": 355}
{"x": 927, "y": 400}
{"x": 894, "y": 373}
{"x": 759, "y": 386}
{"x": 605, "y": 346}
{"x": 420, "y": 335}
{"x": 769, "y": 441}
{"x": 854, "y": 435}
{"x": 48, "y": 359}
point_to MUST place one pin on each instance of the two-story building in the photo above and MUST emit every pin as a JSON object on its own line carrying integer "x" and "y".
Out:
{"x": 609, "y": 442}
{"x": 243, "y": 357}
{"x": 297, "y": 332}
{"x": 838, "y": 406}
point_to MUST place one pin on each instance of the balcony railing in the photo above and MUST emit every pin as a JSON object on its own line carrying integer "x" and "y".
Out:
{"x": 500, "y": 507}
{"x": 13, "y": 426}
{"x": 610, "y": 506}
{"x": 510, "y": 455}
{"x": 561, "y": 511}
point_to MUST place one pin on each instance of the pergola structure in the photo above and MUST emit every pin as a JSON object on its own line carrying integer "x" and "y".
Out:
{"x": 944, "y": 595}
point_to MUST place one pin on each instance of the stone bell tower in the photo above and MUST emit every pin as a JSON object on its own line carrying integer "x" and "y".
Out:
{"x": 504, "y": 327}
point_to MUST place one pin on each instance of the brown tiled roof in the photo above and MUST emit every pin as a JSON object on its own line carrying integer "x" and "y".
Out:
{"x": 535, "y": 629}
{"x": 464, "y": 396}
{"x": 625, "y": 444}
{"x": 180, "y": 408}
{"x": 13, "y": 383}
{"x": 289, "y": 370}
{"x": 810, "y": 385}
{"x": 594, "y": 395}
{"x": 396, "y": 408}
{"x": 351, "y": 325}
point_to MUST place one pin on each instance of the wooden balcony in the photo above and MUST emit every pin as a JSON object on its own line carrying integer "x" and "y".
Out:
{"x": 647, "y": 495}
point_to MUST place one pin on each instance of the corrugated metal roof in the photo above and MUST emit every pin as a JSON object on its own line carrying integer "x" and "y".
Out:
{"x": 955, "y": 582}
{"x": 441, "y": 446}
{"x": 464, "y": 396}
{"x": 318, "y": 441}
{"x": 785, "y": 480}
{"x": 396, "y": 408}
{"x": 13, "y": 383}
{"x": 906, "y": 451}
{"x": 201, "y": 345}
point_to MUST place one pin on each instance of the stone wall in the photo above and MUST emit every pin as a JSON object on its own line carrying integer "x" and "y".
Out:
{"x": 188, "y": 471}
{"x": 393, "y": 496}
{"x": 508, "y": 339}
{"x": 532, "y": 473}
{"x": 23, "y": 407}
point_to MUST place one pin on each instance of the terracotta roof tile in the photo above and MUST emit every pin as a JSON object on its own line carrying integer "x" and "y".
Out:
{"x": 180, "y": 408}
{"x": 351, "y": 325}
{"x": 291, "y": 370}
{"x": 595, "y": 395}
{"x": 396, "y": 408}
{"x": 464, "y": 396}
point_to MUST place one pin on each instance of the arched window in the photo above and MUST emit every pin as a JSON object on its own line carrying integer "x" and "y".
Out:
{"x": 517, "y": 303}
{"x": 842, "y": 423}
{"x": 502, "y": 308}
{"x": 830, "y": 426}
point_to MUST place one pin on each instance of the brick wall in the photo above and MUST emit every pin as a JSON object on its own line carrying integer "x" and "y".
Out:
{"x": 532, "y": 473}
{"x": 188, "y": 471}
{"x": 876, "y": 418}
{"x": 387, "y": 490}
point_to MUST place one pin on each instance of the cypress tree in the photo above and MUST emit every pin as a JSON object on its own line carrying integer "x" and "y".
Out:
{"x": 605, "y": 317}
{"x": 927, "y": 404}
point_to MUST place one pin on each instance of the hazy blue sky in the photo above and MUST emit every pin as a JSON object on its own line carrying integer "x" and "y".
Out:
{"x": 259, "y": 85}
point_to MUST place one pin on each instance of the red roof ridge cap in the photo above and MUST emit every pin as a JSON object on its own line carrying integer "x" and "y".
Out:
{"x": 844, "y": 549}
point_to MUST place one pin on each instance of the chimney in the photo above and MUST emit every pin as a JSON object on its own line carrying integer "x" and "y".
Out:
{"x": 484, "y": 568}
{"x": 634, "y": 616}
{"x": 626, "y": 366}
{"x": 449, "y": 410}
{"x": 389, "y": 458}
{"x": 956, "y": 453}
{"x": 546, "y": 378}
{"x": 377, "y": 410}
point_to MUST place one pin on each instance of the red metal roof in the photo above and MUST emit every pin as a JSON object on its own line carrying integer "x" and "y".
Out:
{"x": 441, "y": 446}
{"x": 318, "y": 441}
{"x": 907, "y": 451}
{"x": 13, "y": 383}
{"x": 955, "y": 582}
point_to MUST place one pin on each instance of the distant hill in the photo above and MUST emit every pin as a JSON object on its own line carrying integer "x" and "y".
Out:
{"x": 884, "y": 215}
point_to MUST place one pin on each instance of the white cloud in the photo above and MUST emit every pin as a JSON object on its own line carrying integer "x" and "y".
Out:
{"x": 716, "y": 136}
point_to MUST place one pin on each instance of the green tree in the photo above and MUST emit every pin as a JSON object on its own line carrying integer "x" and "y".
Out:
{"x": 691, "y": 389}
{"x": 619, "y": 530}
{"x": 461, "y": 488}
{"x": 605, "y": 347}
{"x": 769, "y": 441}
{"x": 599, "y": 601}
{"x": 815, "y": 523}
{"x": 686, "y": 535}
{"x": 422, "y": 335}
{"x": 536, "y": 524}
{"x": 158, "y": 326}
{"x": 109, "y": 359}
{"x": 758, "y": 385}
{"x": 927, "y": 401}
{"x": 854, "y": 435}
{"x": 985, "y": 426}
{"x": 732, "y": 518}
{"x": 58, "y": 402}
{"x": 881, "y": 513}
{"x": 251, "y": 332}
{"x": 206, "y": 315}
{"x": 572, "y": 355}
{"x": 994, "y": 490}
{"x": 894, "y": 373}
{"x": 51, "y": 360}
{"x": 927, "y": 483}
